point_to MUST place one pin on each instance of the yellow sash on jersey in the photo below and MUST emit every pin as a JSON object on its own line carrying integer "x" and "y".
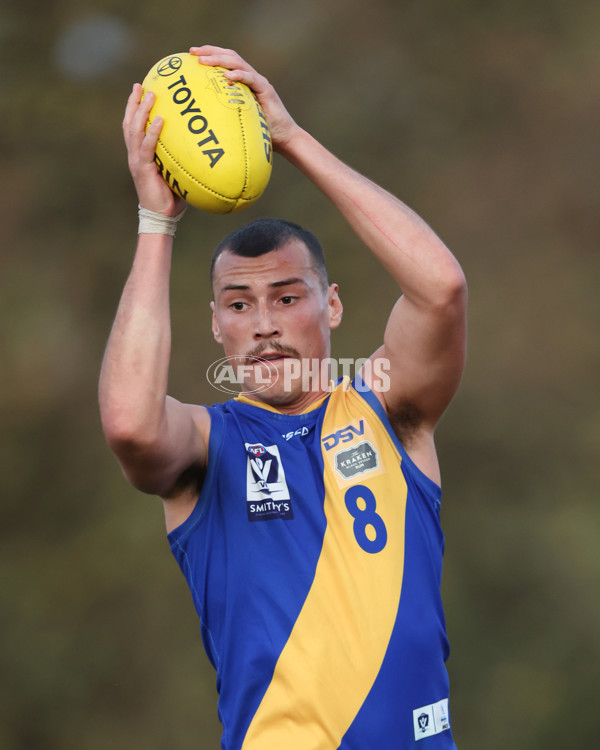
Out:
{"x": 337, "y": 645}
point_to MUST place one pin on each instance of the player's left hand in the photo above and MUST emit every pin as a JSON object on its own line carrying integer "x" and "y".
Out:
{"x": 281, "y": 125}
{"x": 153, "y": 192}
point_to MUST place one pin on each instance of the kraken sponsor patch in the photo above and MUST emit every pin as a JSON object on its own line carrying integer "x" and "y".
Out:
{"x": 359, "y": 459}
{"x": 351, "y": 451}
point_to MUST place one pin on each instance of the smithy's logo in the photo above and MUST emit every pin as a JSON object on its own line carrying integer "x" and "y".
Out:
{"x": 267, "y": 493}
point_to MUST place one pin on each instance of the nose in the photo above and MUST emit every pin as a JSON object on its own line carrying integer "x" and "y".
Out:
{"x": 265, "y": 326}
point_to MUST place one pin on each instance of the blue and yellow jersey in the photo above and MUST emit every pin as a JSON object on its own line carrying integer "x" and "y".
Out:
{"x": 314, "y": 559}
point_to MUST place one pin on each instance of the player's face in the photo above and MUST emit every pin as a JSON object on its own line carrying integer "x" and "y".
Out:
{"x": 274, "y": 308}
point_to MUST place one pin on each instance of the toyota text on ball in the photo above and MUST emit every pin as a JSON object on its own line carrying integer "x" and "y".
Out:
{"x": 197, "y": 123}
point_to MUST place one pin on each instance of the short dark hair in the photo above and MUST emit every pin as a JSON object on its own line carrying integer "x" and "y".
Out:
{"x": 266, "y": 234}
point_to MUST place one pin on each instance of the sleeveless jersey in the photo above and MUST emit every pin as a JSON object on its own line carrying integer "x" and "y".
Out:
{"x": 314, "y": 558}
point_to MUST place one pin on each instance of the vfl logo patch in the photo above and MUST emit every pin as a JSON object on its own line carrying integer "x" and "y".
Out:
{"x": 356, "y": 460}
{"x": 267, "y": 493}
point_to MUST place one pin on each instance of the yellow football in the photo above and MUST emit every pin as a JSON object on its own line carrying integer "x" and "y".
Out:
{"x": 215, "y": 148}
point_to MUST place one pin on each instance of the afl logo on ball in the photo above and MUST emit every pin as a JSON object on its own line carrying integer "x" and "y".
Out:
{"x": 169, "y": 66}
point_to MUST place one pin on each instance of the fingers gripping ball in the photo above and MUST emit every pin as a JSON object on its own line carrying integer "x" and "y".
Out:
{"x": 215, "y": 148}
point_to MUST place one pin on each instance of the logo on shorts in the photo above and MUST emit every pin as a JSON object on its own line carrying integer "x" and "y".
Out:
{"x": 267, "y": 493}
{"x": 430, "y": 720}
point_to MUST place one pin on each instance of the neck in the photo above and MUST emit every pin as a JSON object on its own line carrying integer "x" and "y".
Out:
{"x": 292, "y": 405}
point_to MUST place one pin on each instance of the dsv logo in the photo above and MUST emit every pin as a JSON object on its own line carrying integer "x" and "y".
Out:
{"x": 345, "y": 435}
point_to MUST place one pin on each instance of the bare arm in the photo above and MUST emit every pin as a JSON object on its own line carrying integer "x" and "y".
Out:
{"x": 425, "y": 336}
{"x": 155, "y": 438}
{"x": 424, "y": 339}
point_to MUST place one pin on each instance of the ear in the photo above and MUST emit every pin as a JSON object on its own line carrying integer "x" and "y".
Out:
{"x": 215, "y": 325}
{"x": 335, "y": 306}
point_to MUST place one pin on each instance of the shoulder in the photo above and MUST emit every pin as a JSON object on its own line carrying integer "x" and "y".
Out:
{"x": 201, "y": 416}
{"x": 180, "y": 500}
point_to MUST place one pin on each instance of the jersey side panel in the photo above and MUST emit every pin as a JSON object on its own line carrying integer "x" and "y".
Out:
{"x": 412, "y": 684}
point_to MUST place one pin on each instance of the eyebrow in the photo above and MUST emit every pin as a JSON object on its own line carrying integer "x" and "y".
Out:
{"x": 273, "y": 285}
{"x": 288, "y": 282}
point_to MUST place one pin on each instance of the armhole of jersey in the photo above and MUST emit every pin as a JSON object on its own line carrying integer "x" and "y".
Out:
{"x": 430, "y": 488}
{"x": 215, "y": 443}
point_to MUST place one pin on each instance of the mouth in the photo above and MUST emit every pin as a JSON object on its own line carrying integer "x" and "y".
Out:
{"x": 270, "y": 357}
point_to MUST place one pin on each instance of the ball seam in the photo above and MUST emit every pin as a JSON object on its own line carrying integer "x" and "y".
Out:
{"x": 251, "y": 197}
{"x": 246, "y": 165}
{"x": 192, "y": 178}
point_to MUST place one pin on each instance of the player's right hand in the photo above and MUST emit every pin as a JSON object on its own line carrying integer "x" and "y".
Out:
{"x": 153, "y": 192}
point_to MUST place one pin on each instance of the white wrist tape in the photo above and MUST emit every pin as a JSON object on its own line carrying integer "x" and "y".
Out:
{"x": 153, "y": 223}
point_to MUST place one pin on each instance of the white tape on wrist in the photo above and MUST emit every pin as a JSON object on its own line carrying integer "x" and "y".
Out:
{"x": 153, "y": 223}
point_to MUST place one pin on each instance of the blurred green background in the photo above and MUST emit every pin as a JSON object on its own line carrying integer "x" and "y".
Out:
{"x": 485, "y": 118}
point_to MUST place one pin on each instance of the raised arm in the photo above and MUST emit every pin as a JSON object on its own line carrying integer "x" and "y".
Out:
{"x": 424, "y": 340}
{"x": 425, "y": 337}
{"x": 158, "y": 441}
